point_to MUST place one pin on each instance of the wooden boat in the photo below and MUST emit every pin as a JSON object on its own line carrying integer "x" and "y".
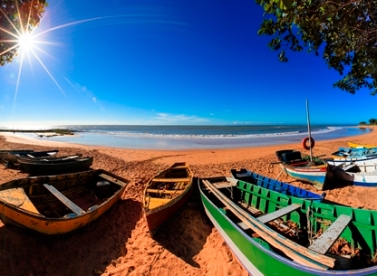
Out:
{"x": 62, "y": 164}
{"x": 165, "y": 194}
{"x": 42, "y": 154}
{"x": 273, "y": 184}
{"x": 13, "y": 155}
{"x": 352, "y": 156}
{"x": 59, "y": 204}
{"x": 299, "y": 166}
{"x": 356, "y": 145}
{"x": 354, "y": 152}
{"x": 276, "y": 234}
{"x": 356, "y": 174}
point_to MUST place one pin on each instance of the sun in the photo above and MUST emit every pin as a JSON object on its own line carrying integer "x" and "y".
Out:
{"x": 26, "y": 41}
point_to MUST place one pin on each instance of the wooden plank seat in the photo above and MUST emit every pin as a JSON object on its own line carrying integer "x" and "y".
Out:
{"x": 18, "y": 197}
{"x": 111, "y": 179}
{"x": 159, "y": 191}
{"x": 220, "y": 185}
{"x": 171, "y": 179}
{"x": 155, "y": 201}
{"x": 350, "y": 166}
{"x": 65, "y": 200}
{"x": 324, "y": 242}
{"x": 243, "y": 226}
{"x": 278, "y": 213}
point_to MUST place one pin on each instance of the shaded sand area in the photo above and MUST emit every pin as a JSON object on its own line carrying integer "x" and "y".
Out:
{"x": 119, "y": 244}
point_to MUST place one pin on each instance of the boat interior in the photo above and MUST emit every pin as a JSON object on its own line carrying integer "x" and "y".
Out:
{"x": 58, "y": 198}
{"x": 167, "y": 186}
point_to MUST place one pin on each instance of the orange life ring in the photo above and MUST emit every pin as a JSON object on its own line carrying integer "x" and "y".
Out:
{"x": 305, "y": 143}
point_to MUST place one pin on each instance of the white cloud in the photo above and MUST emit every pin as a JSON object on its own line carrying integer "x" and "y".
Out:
{"x": 178, "y": 119}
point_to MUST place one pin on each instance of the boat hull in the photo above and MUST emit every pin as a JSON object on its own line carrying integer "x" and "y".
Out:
{"x": 360, "y": 160}
{"x": 166, "y": 194}
{"x": 51, "y": 167}
{"x": 362, "y": 175}
{"x": 275, "y": 185}
{"x": 355, "y": 145}
{"x": 316, "y": 176}
{"x": 31, "y": 219}
{"x": 156, "y": 218}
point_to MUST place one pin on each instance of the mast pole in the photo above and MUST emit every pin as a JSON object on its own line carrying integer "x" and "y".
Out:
{"x": 309, "y": 133}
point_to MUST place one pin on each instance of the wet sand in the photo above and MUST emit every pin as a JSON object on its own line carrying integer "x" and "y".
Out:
{"x": 119, "y": 244}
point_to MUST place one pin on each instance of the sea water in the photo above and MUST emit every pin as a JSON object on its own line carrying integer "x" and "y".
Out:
{"x": 197, "y": 137}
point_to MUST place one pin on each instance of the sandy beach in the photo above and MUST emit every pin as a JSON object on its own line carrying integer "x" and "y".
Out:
{"x": 119, "y": 244}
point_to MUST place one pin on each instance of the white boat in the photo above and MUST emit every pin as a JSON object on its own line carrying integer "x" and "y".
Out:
{"x": 337, "y": 159}
{"x": 357, "y": 174}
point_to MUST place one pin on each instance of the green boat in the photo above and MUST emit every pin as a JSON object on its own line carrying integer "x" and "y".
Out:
{"x": 277, "y": 234}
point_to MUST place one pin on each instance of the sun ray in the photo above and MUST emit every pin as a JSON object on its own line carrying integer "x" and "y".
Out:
{"x": 11, "y": 23}
{"x": 17, "y": 83}
{"x": 8, "y": 50}
{"x": 68, "y": 25}
{"x": 48, "y": 72}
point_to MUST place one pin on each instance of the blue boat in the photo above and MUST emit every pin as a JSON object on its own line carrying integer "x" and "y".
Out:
{"x": 275, "y": 185}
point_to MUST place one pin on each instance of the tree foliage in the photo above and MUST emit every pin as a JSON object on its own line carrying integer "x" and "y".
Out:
{"x": 17, "y": 17}
{"x": 343, "y": 31}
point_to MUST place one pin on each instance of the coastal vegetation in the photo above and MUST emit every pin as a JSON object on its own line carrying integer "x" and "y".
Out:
{"x": 343, "y": 31}
{"x": 371, "y": 122}
{"x": 56, "y": 131}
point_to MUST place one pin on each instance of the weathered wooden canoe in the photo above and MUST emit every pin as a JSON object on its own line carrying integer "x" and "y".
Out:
{"x": 356, "y": 174}
{"x": 273, "y": 184}
{"x": 64, "y": 164}
{"x": 299, "y": 166}
{"x": 276, "y": 234}
{"x": 165, "y": 194}
{"x": 59, "y": 204}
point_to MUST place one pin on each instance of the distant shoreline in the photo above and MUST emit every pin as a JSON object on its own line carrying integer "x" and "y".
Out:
{"x": 42, "y": 133}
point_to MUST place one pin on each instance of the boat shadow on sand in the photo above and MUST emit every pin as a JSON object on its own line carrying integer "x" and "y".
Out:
{"x": 186, "y": 234}
{"x": 87, "y": 251}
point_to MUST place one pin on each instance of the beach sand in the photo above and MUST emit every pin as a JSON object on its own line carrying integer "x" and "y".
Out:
{"x": 118, "y": 243}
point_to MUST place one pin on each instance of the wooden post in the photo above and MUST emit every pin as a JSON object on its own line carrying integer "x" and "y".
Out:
{"x": 309, "y": 133}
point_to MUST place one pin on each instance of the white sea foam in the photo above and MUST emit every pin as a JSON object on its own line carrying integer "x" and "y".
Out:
{"x": 212, "y": 136}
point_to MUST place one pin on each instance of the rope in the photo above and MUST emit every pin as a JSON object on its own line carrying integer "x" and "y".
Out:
{"x": 309, "y": 226}
{"x": 231, "y": 191}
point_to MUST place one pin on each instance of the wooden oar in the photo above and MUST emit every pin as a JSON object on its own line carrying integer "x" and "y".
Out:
{"x": 293, "y": 250}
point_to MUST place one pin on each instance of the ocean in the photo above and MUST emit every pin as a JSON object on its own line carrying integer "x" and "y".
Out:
{"x": 197, "y": 137}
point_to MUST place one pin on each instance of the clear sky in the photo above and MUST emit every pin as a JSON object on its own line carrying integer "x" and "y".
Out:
{"x": 167, "y": 62}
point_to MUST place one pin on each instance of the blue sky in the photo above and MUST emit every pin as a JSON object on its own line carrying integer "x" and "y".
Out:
{"x": 167, "y": 62}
